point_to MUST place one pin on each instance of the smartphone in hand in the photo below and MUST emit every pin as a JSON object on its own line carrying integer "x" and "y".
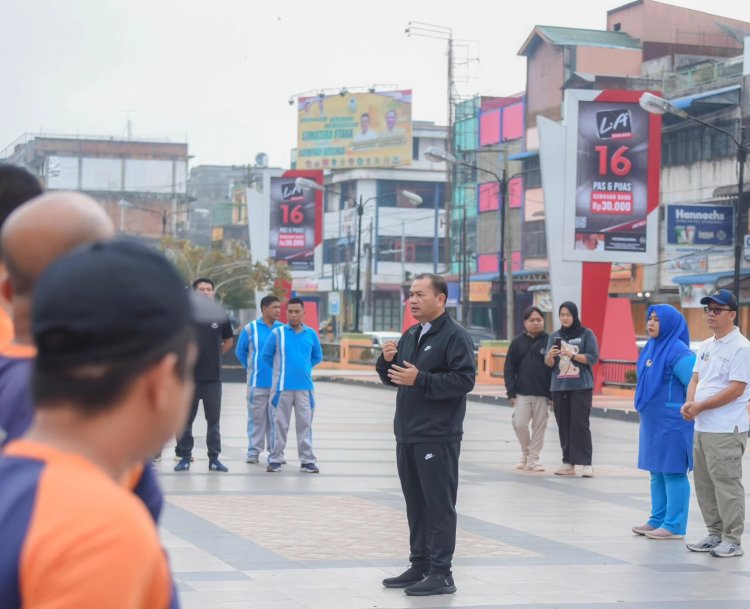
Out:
{"x": 558, "y": 342}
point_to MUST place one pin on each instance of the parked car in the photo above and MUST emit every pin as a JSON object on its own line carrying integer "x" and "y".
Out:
{"x": 379, "y": 338}
{"x": 480, "y": 333}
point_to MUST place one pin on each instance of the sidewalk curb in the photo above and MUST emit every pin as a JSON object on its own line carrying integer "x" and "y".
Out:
{"x": 630, "y": 416}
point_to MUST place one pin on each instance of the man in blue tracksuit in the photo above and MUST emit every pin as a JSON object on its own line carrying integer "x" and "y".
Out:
{"x": 259, "y": 376}
{"x": 292, "y": 351}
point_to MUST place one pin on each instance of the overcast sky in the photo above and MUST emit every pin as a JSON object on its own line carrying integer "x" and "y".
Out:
{"x": 219, "y": 74}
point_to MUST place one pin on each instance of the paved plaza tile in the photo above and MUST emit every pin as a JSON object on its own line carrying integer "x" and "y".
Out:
{"x": 301, "y": 541}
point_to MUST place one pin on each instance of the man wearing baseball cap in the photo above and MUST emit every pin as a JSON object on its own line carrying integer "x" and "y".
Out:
{"x": 717, "y": 400}
{"x": 111, "y": 383}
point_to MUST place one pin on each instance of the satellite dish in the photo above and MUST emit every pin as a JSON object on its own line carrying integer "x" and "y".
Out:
{"x": 261, "y": 159}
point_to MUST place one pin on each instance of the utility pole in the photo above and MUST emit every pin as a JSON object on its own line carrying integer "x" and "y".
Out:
{"x": 368, "y": 321}
{"x": 403, "y": 276}
{"x": 346, "y": 325}
{"x": 465, "y": 268}
{"x": 507, "y": 254}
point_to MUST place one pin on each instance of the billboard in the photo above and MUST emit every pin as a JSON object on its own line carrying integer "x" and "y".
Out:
{"x": 614, "y": 159}
{"x": 692, "y": 225}
{"x": 354, "y": 130}
{"x": 293, "y": 224}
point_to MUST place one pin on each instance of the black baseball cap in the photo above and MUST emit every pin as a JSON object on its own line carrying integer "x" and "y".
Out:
{"x": 724, "y": 297}
{"x": 109, "y": 301}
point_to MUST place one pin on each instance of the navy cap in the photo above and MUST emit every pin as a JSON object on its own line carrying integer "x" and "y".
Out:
{"x": 109, "y": 301}
{"x": 725, "y": 297}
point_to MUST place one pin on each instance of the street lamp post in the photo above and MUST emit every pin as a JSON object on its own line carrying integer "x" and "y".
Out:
{"x": 657, "y": 105}
{"x": 412, "y": 197}
{"x": 437, "y": 155}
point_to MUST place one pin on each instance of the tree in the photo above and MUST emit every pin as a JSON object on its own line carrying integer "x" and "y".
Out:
{"x": 236, "y": 276}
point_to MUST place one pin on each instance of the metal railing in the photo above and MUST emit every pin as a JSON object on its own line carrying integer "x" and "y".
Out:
{"x": 364, "y": 354}
{"x": 331, "y": 351}
{"x": 618, "y": 372}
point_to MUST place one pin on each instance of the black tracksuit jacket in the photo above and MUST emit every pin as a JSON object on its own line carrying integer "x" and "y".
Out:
{"x": 433, "y": 409}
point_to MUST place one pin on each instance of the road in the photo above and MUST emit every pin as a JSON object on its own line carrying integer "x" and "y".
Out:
{"x": 526, "y": 540}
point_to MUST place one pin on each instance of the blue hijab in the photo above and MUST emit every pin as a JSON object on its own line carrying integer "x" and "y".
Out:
{"x": 661, "y": 351}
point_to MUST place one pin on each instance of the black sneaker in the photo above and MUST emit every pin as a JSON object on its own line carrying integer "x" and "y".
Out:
{"x": 183, "y": 465}
{"x": 434, "y": 583}
{"x": 215, "y": 465}
{"x": 309, "y": 468}
{"x": 408, "y": 578}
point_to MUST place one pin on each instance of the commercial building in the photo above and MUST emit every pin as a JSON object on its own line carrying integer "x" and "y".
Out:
{"x": 691, "y": 57}
{"x": 398, "y": 238}
{"x": 141, "y": 184}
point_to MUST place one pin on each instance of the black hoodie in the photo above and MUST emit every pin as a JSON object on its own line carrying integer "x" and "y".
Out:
{"x": 525, "y": 371}
{"x": 433, "y": 409}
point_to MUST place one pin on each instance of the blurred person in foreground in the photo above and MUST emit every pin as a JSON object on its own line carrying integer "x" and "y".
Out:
{"x": 16, "y": 187}
{"x": 527, "y": 381}
{"x": 111, "y": 383}
{"x": 433, "y": 367}
{"x": 665, "y": 448}
{"x": 717, "y": 401}
{"x": 571, "y": 352}
{"x": 36, "y": 234}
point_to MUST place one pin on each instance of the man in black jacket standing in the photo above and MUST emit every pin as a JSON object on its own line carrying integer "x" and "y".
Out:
{"x": 433, "y": 367}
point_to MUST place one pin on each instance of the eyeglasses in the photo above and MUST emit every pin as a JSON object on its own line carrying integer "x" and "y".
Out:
{"x": 715, "y": 310}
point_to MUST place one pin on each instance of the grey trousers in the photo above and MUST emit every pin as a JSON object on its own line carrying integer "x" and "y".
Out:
{"x": 532, "y": 409}
{"x": 303, "y": 404}
{"x": 258, "y": 420}
{"x": 717, "y": 475}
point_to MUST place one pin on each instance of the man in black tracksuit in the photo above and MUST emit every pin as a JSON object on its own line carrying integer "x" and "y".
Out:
{"x": 433, "y": 367}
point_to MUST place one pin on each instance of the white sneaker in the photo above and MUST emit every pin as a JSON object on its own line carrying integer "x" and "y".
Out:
{"x": 588, "y": 471}
{"x": 566, "y": 470}
{"x": 534, "y": 466}
{"x": 521, "y": 463}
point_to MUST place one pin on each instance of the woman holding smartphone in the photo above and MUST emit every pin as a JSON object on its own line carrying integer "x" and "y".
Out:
{"x": 571, "y": 351}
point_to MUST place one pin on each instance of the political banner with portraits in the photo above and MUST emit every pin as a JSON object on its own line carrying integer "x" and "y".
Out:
{"x": 350, "y": 130}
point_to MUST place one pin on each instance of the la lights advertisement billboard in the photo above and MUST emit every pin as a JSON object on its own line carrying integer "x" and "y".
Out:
{"x": 354, "y": 130}
{"x": 293, "y": 224}
{"x": 614, "y": 156}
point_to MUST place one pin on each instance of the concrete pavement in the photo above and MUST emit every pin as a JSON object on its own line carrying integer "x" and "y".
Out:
{"x": 526, "y": 540}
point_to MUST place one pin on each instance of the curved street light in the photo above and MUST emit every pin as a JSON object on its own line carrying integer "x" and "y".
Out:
{"x": 412, "y": 197}
{"x": 658, "y": 105}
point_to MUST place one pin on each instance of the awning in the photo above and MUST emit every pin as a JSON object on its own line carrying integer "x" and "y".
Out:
{"x": 724, "y": 192}
{"x": 722, "y": 96}
{"x": 707, "y": 277}
{"x": 520, "y": 156}
{"x": 523, "y": 274}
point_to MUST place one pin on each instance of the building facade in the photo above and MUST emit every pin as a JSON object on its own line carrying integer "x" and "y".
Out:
{"x": 141, "y": 184}
{"x": 397, "y": 238}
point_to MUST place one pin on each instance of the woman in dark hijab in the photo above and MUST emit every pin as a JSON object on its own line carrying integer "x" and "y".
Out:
{"x": 571, "y": 351}
{"x": 665, "y": 448}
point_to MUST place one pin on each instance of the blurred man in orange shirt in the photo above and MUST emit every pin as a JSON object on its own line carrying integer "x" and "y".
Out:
{"x": 112, "y": 381}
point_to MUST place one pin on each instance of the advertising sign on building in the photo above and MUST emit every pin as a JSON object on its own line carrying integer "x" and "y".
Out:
{"x": 692, "y": 225}
{"x": 292, "y": 224}
{"x": 354, "y": 130}
{"x": 614, "y": 157}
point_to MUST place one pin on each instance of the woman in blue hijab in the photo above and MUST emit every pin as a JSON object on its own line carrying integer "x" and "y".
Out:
{"x": 665, "y": 367}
